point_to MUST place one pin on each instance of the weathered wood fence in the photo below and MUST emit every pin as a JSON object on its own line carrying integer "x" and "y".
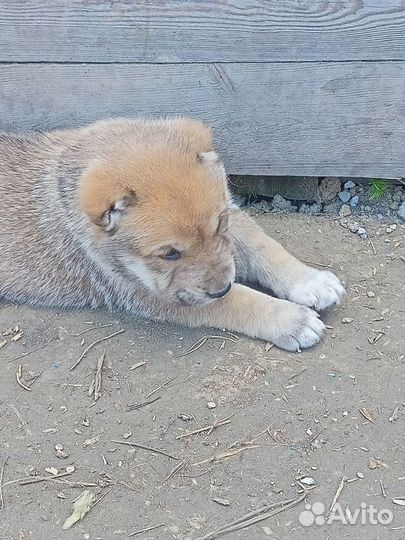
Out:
{"x": 292, "y": 87}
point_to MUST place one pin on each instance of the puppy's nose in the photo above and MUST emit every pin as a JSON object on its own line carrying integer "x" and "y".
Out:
{"x": 220, "y": 294}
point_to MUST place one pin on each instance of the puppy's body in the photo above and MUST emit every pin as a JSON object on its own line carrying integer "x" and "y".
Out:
{"x": 136, "y": 215}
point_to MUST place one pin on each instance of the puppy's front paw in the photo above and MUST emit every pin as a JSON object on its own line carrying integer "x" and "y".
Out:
{"x": 317, "y": 289}
{"x": 297, "y": 327}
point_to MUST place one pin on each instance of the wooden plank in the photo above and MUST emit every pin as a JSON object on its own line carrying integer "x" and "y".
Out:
{"x": 171, "y": 31}
{"x": 310, "y": 119}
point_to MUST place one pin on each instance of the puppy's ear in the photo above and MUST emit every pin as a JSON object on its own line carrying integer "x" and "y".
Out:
{"x": 212, "y": 160}
{"x": 104, "y": 198}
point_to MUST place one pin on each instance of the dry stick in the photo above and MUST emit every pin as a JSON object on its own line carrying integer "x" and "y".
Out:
{"x": 148, "y": 448}
{"x": 18, "y": 377}
{"x": 254, "y": 517}
{"x": 93, "y": 345}
{"x": 23, "y": 355}
{"x": 210, "y": 428}
{"x": 86, "y": 331}
{"x": 140, "y": 531}
{"x": 318, "y": 264}
{"x": 159, "y": 387}
{"x": 25, "y": 481}
{"x": 337, "y": 494}
{"x": 226, "y": 454}
{"x": 143, "y": 404}
{"x": 177, "y": 468}
{"x": 1, "y": 483}
{"x": 96, "y": 383}
{"x": 198, "y": 344}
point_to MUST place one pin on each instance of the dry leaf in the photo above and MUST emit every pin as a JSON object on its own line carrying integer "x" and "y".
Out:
{"x": 81, "y": 507}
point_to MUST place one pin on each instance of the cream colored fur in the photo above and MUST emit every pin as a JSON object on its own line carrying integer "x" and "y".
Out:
{"x": 136, "y": 215}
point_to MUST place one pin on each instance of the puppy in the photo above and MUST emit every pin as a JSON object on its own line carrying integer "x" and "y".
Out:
{"x": 136, "y": 215}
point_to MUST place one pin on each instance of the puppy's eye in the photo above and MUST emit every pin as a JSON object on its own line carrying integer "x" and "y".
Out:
{"x": 171, "y": 255}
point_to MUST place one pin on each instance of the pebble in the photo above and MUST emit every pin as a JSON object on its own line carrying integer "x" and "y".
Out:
{"x": 360, "y": 475}
{"x": 354, "y": 201}
{"x": 344, "y": 196}
{"x": 307, "y": 481}
{"x": 391, "y": 228}
{"x": 211, "y": 404}
{"x": 349, "y": 184}
{"x": 353, "y": 227}
{"x": 347, "y": 320}
{"x": 401, "y": 211}
{"x": 370, "y": 294}
{"x": 361, "y": 231}
{"x": 328, "y": 188}
{"x": 280, "y": 203}
{"x": 345, "y": 211}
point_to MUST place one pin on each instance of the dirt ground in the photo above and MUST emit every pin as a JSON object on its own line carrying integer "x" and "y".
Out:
{"x": 293, "y": 422}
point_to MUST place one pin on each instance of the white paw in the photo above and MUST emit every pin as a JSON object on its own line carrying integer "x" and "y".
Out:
{"x": 298, "y": 327}
{"x": 317, "y": 289}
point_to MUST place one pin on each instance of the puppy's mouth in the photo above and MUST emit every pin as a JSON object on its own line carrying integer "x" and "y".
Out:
{"x": 189, "y": 299}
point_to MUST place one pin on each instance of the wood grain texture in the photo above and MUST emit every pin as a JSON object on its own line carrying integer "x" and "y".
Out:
{"x": 171, "y": 31}
{"x": 344, "y": 119}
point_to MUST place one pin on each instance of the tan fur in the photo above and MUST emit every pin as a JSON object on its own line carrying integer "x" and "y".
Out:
{"x": 92, "y": 217}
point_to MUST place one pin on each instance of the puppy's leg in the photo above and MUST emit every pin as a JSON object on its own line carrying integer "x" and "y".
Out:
{"x": 287, "y": 325}
{"x": 261, "y": 259}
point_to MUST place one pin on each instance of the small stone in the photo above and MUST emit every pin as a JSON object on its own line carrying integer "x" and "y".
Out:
{"x": 344, "y": 196}
{"x": 332, "y": 208}
{"x": 328, "y": 188}
{"x": 354, "y": 201}
{"x": 61, "y": 495}
{"x": 349, "y": 184}
{"x": 353, "y": 227}
{"x": 222, "y": 502}
{"x": 361, "y": 231}
{"x": 360, "y": 475}
{"x": 345, "y": 211}
{"x": 347, "y": 320}
{"x": 127, "y": 435}
{"x": 211, "y": 404}
{"x": 52, "y": 470}
{"x": 391, "y": 228}
{"x": 307, "y": 481}
{"x": 401, "y": 211}
{"x": 280, "y": 203}
{"x": 70, "y": 469}
{"x": 370, "y": 294}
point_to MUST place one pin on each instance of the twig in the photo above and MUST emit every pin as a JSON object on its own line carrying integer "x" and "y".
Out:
{"x": 337, "y": 494}
{"x": 96, "y": 384}
{"x": 210, "y": 428}
{"x": 23, "y": 355}
{"x": 260, "y": 514}
{"x": 226, "y": 454}
{"x": 318, "y": 264}
{"x": 177, "y": 468}
{"x": 143, "y": 447}
{"x": 35, "y": 479}
{"x": 198, "y": 344}
{"x": 87, "y": 349}
{"x": 159, "y": 387}
{"x": 140, "y": 531}
{"x": 1, "y": 483}
{"x": 18, "y": 377}
{"x": 86, "y": 331}
{"x": 137, "y": 406}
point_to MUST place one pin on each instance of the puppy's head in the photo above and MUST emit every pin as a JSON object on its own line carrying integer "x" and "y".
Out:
{"x": 160, "y": 215}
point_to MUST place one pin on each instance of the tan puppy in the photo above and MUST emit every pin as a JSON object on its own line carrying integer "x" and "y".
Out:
{"x": 136, "y": 215}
